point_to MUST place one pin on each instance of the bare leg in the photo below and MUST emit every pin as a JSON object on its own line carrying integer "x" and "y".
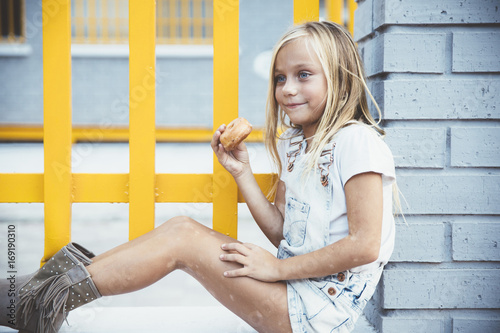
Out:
{"x": 182, "y": 243}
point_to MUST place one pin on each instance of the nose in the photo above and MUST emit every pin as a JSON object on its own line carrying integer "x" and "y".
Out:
{"x": 290, "y": 88}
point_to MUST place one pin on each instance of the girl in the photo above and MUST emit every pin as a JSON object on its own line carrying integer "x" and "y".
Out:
{"x": 331, "y": 219}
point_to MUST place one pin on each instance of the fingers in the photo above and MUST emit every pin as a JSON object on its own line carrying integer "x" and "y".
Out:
{"x": 234, "y": 258}
{"x": 241, "y": 146}
{"x": 236, "y": 273}
{"x": 238, "y": 255}
{"x": 215, "y": 143}
{"x": 237, "y": 258}
{"x": 243, "y": 248}
{"x": 255, "y": 262}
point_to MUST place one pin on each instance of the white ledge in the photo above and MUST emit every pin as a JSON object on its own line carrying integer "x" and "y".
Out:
{"x": 15, "y": 50}
{"x": 122, "y": 51}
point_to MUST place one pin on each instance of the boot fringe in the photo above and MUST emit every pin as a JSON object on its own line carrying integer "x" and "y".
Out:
{"x": 50, "y": 297}
{"x": 43, "y": 299}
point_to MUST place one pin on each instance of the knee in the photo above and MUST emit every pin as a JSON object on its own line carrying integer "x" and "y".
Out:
{"x": 179, "y": 225}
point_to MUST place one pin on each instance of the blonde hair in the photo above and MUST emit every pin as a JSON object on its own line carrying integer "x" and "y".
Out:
{"x": 346, "y": 98}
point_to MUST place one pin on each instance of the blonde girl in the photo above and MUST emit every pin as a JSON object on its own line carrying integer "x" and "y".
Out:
{"x": 331, "y": 220}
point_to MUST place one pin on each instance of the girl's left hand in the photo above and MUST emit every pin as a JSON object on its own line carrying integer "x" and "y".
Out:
{"x": 257, "y": 262}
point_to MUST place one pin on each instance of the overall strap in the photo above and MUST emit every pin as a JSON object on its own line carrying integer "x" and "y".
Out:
{"x": 325, "y": 161}
{"x": 294, "y": 150}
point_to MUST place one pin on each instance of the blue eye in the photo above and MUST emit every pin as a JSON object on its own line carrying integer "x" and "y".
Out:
{"x": 304, "y": 75}
{"x": 280, "y": 79}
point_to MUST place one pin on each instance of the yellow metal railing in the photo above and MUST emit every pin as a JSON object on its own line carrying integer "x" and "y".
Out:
{"x": 185, "y": 22}
{"x": 117, "y": 134}
{"x": 58, "y": 187}
{"x": 226, "y": 64}
{"x": 341, "y": 12}
{"x": 142, "y": 68}
{"x": 57, "y": 178}
{"x": 177, "y": 21}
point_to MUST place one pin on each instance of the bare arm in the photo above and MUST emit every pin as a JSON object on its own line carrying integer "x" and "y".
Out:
{"x": 362, "y": 245}
{"x": 268, "y": 216}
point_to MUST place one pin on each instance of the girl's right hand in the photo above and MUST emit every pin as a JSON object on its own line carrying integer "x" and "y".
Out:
{"x": 237, "y": 161}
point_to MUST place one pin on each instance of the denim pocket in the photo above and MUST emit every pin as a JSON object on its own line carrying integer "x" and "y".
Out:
{"x": 322, "y": 310}
{"x": 294, "y": 228}
{"x": 359, "y": 291}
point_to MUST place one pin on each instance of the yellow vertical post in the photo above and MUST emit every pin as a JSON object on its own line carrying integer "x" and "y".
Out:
{"x": 172, "y": 17}
{"x": 335, "y": 11}
{"x": 118, "y": 21}
{"x": 92, "y": 21}
{"x": 79, "y": 21}
{"x": 104, "y": 22}
{"x": 160, "y": 20}
{"x": 226, "y": 62}
{"x": 197, "y": 22}
{"x": 305, "y": 10}
{"x": 142, "y": 38}
{"x": 57, "y": 124}
{"x": 352, "y": 8}
{"x": 185, "y": 21}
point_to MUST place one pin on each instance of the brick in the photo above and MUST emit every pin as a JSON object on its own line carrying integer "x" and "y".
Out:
{"x": 475, "y": 147}
{"x": 441, "y": 99}
{"x": 472, "y": 325}
{"x": 373, "y": 55}
{"x": 476, "y": 52}
{"x": 363, "y": 19}
{"x": 413, "y": 325}
{"x": 441, "y": 289}
{"x": 419, "y": 243}
{"x": 405, "y": 53}
{"x": 476, "y": 241}
{"x": 377, "y": 91}
{"x": 444, "y": 194}
{"x": 435, "y": 12}
{"x": 417, "y": 147}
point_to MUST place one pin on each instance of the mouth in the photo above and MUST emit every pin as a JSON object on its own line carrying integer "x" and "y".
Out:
{"x": 292, "y": 106}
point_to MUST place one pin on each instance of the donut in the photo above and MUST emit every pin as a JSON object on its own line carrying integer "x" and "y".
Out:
{"x": 235, "y": 132}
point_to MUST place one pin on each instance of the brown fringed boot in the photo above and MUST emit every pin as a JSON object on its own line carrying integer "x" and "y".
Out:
{"x": 41, "y": 302}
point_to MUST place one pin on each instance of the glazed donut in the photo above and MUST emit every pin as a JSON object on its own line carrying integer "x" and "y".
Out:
{"x": 235, "y": 132}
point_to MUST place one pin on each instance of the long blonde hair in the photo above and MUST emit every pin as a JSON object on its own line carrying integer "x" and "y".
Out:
{"x": 346, "y": 86}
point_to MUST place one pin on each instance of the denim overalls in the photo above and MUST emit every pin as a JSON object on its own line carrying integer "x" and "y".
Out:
{"x": 332, "y": 303}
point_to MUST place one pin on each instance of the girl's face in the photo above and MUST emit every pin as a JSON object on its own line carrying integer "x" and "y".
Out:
{"x": 301, "y": 88}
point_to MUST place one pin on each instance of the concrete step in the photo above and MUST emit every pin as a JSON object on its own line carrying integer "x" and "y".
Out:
{"x": 209, "y": 319}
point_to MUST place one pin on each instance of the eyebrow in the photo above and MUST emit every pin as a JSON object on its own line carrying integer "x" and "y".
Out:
{"x": 298, "y": 66}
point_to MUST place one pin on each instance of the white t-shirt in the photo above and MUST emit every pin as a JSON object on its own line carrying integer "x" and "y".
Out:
{"x": 358, "y": 149}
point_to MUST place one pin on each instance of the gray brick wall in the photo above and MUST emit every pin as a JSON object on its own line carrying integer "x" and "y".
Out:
{"x": 434, "y": 69}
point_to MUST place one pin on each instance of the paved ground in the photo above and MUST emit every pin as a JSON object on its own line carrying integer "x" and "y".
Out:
{"x": 177, "y": 303}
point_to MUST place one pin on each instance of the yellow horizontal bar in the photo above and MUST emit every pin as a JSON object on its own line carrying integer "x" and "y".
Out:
{"x": 89, "y": 187}
{"x": 21, "y": 187}
{"x": 100, "y": 187}
{"x": 117, "y": 134}
{"x": 21, "y": 133}
{"x": 265, "y": 181}
{"x": 184, "y": 188}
